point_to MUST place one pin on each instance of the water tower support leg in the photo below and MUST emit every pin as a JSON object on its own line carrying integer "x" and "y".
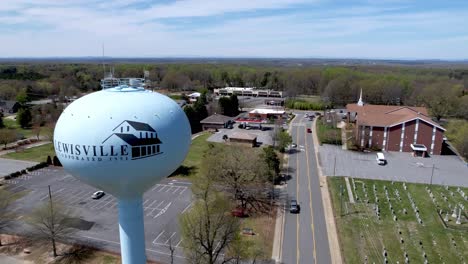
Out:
{"x": 132, "y": 233}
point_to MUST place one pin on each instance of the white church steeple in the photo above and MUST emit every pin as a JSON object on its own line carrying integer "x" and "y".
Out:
{"x": 360, "y": 102}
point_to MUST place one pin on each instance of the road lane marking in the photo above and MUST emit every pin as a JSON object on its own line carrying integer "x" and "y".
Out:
{"x": 310, "y": 197}
{"x": 298, "y": 251}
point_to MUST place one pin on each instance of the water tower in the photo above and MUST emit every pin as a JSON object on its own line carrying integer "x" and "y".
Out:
{"x": 123, "y": 140}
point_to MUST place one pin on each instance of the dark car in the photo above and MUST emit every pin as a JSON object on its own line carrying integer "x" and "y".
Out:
{"x": 294, "y": 207}
{"x": 309, "y": 130}
{"x": 97, "y": 195}
{"x": 239, "y": 212}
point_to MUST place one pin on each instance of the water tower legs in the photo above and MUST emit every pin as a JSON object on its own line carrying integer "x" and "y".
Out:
{"x": 131, "y": 228}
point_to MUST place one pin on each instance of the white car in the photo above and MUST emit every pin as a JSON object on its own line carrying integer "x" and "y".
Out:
{"x": 98, "y": 195}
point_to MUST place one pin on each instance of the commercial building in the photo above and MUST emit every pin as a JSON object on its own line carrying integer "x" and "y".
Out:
{"x": 248, "y": 91}
{"x": 243, "y": 138}
{"x": 216, "y": 121}
{"x": 266, "y": 113}
{"x": 395, "y": 128}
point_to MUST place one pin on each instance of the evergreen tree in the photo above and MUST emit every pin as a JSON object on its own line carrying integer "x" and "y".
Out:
{"x": 24, "y": 117}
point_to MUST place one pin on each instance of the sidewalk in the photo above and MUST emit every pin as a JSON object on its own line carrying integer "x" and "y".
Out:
{"x": 37, "y": 144}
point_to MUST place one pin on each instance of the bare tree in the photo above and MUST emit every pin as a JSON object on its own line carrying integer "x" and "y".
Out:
{"x": 6, "y": 216}
{"x": 242, "y": 173}
{"x": 7, "y": 136}
{"x": 51, "y": 222}
{"x": 208, "y": 230}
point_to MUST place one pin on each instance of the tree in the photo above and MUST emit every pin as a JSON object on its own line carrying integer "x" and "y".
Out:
{"x": 22, "y": 97}
{"x": 7, "y": 136}
{"x": 272, "y": 161}
{"x": 24, "y": 117}
{"x": 2, "y": 125}
{"x": 229, "y": 105}
{"x": 208, "y": 229}
{"x": 241, "y": 173}
{"x": 284, "y": 139}
{"x": 51, "y": 222}
{"x": 6, "y": 215}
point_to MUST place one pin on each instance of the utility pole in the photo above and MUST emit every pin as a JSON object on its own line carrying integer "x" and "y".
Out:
{"x": 52, "y": 223}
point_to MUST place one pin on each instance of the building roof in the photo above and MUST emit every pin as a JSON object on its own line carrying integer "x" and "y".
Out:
{"x": 138, "y": 126}
{"x": 216, "y": 119}
{"x": 242, "y": 135}
{"x": 267, "y": 111}
{"x": 134, "y": 141}
{"x": 389, "y": 115}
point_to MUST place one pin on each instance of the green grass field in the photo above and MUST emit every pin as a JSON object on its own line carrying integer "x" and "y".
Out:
{"x": 192, "y": 162}
{"x": 362, "y": 235}
{"x": 327, "y": 134}
{"x": 38, "y": 154}
{"x": 12, "y": 124}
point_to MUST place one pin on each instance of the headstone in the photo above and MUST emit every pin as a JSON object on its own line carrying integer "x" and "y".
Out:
{"x": 459, "y": 217}
{"x": 454, "y": 213}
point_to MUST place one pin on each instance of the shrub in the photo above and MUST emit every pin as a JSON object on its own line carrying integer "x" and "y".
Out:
{"x": 49, "y": 160}
{"x": 56, "y": 161}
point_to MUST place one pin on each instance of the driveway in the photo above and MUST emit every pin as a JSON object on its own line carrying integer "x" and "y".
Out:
{"x": 448, "y": 170}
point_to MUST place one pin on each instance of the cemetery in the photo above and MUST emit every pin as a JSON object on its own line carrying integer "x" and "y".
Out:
{"x": 397, "y": 222}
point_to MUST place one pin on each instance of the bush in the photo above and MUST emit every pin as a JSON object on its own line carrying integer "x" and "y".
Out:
{"x": 49, "y": 160}
{"x": 56, "y": 161}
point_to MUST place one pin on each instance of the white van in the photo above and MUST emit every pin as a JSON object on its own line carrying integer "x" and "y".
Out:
{"x": 381, "y": 158}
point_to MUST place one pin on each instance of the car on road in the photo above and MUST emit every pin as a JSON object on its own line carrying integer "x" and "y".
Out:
{"x": 98, "y": 195}
{"x": 294, "y": 207}
{"x": 293, "y": 145}
{"x": 381, "y": 158}
{"x": 309, "y": 130}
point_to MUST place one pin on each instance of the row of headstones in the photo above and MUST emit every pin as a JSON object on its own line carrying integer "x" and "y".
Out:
{"x": 462, "y": 193}
{"x": 354, "y": 189}
{"x": 414, "y": 206}
{"x": 395, "y": 218}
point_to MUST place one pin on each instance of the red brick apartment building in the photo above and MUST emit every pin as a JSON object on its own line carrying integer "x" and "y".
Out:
{"x": 396, "y": 128}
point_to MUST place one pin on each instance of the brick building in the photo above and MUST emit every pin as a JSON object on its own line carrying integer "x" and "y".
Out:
{"x": 396, "y": 128}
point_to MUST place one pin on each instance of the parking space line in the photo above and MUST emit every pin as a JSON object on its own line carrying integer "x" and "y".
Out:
{"x": 149, "y": 206}
{"x": 188, "y": 207}
{"x": 170, "y": 188}
{"x": 75, "y": 197}
{"x": 173, "y": 234}
{"x": 111, "y": 200}
{"x": 156, "y": 239}
{"x": 183, "y": 191}
{"x": 176, "y": 189}
{"x": 164, "y": 186}
{"x": 155, "y": 187}
{"x": 21, "y": 185}
{"x": 147, "y": 200}
{"x": 53, "y": 193}
{"x": 179, "y": 243}
{"x": 157, "y": 206}
{"x": 102, "y": 201}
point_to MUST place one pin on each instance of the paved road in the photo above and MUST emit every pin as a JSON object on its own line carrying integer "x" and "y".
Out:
{"x": 305, "y": 234}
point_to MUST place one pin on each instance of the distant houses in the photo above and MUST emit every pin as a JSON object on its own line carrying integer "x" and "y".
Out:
{"x": 9, "y": 107}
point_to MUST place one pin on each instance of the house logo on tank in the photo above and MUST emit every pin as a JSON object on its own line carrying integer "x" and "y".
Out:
{"x": 137, "y": 141}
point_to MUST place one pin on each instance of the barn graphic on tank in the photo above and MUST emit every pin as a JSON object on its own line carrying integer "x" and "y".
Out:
{"x": 141, "y": 137}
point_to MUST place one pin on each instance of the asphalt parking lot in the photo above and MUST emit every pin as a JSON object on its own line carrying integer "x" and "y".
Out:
{"x": 8, "y": 166}
{"x": 162, "y": 204}
{"x": 402, "y": 166}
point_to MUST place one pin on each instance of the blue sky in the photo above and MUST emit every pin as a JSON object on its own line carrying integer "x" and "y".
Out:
{"x": 397, "y": 29}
